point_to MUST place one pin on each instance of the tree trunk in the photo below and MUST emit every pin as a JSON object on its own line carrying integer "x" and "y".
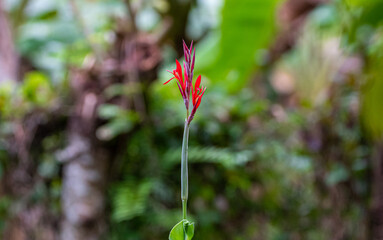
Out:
{"x": 84, "y": 180}
{"x": 85, "y": 165}
{"x": 376, "y": 214}
{"x": 8, "y": 56}
{"x": 86, "y": 158}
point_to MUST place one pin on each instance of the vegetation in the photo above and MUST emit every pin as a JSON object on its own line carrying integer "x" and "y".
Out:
{"x": 287, "y": 142}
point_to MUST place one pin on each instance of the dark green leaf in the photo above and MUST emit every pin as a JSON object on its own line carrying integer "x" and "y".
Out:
{"x": 184, "y": 230}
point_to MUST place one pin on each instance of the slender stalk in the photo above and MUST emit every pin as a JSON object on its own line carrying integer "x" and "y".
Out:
{"x": 184, "y": 170}
{"x": 184, "y": 208}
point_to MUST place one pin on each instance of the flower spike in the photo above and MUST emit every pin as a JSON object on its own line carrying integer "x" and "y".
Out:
{"x": 185, "y": 85}
{"x": 185, "y": 82}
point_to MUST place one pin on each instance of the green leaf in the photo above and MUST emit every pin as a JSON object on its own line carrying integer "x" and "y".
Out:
{"x": 119, "y": 121}
{"x": 247, "y": 27}
{"x": 184, "y": 230}
{"x": 372, "y": 97}
{"x": 6, "y": 107}
{"x": 337, "y": 174}
{"x": 189, "y": 229}
{"x": 108, "y": 111}
{"x": 363, "y": 17}
{"x": 227, "y": 157}
{"x": 177, "y": 232}
{"x": 36, "y": 88}
{"x": 130, "y": 199}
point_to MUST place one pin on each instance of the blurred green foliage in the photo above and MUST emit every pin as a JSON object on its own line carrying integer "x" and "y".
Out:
{"x": 266, "y": 162}
{"x": 234, "y": 50}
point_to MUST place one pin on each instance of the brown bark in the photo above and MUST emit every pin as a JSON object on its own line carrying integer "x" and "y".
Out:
{"x": 85, "y": 165}
{"x": 83, "y": 198}
{"x": 376, "y": 214}
{"x": 8, "y": 56}
{"x": 179, "y": 12}
{"x": 87, "y": 158}
{"x": 291, "y": 18}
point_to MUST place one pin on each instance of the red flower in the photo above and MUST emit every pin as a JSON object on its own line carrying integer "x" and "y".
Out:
{"x": 197, "y": 93}
{"x": 185, "y": 86}
{"x": 177, "y": 74}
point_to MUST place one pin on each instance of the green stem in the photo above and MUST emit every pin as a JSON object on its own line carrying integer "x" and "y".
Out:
{"x": 184, "y": 170}
{"x": 184, "y": 208}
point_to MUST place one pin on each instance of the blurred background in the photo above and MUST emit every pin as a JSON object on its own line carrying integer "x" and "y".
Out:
{"x": 287, "y": 142}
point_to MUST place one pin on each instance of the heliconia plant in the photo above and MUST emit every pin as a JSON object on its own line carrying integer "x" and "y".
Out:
{"x": 184, "y": 230}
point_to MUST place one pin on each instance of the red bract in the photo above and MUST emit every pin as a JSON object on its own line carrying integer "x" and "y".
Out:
{"x": 197, "y": 93}
{"x": 186, "y": 87}
{"x": 177, "y": 74}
